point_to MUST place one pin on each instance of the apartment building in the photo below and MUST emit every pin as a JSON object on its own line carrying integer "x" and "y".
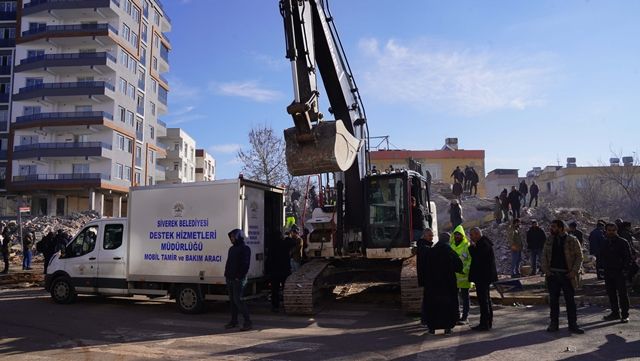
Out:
{"x": 7, "y": 48}
{"x": 205, "y": 166}
{"x": 180, "y": 160}
{"x": 88, "y": 92}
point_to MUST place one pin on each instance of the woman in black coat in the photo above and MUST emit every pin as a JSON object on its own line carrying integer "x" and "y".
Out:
{"x": 440, "y": 286}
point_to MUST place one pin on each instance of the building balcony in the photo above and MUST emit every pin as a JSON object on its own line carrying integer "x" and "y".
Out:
{"x": 63, "y": 149}
{"x": 73, "y": 119}
{"x": 67, "y": 35}
{"x": 8, "y": 43}
{"x": 69, "y": 61}
{"x": 58, "y": 181}
{"x": 101, "y": 90}
{"x": 71, "y": 8}
{"x": 7, "y": 15}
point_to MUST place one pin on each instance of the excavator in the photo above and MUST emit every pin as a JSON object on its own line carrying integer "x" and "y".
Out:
{"x": 368, "y": 228}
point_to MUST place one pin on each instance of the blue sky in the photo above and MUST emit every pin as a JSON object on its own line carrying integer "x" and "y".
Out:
{"x": 530, "y": 82}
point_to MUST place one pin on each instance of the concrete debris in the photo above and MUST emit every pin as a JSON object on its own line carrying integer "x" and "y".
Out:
{"x": 40, "y": 226}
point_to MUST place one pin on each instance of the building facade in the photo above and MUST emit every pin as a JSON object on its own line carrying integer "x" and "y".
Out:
{"x": 499, "y": 179}
{"x": 8, "y": 16}
{"x": 439, "y": 163}
{"x": 87, "y": 95}
{"x": 180, "y": 160}
{"x": 205, "y": 166}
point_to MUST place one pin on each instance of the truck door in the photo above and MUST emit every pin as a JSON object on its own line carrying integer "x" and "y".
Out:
{"x": 111, "y": 260}
{"x": 81, "y": 259}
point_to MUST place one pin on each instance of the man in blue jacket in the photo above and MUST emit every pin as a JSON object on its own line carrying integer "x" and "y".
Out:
{"x": 235, "y": 273}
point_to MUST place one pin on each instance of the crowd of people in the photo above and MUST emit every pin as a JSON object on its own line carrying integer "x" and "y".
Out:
{"x": 446, "y": 270}
{"x": 465, "y": 181}
{"x": 49, "y": 245}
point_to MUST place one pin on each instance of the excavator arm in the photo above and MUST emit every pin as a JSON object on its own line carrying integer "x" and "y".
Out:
{"x": 315, "y": 145}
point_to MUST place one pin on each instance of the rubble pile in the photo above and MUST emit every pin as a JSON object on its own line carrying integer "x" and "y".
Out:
{"x": 40, "y": 226}
{"x": 544, "y": 215}
{"x": 475, "y": 211}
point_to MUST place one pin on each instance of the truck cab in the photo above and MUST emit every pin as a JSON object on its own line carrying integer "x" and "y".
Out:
{"x": 93, "y": 262}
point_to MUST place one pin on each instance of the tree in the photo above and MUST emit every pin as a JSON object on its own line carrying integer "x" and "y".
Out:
{"x": 265, "y": 160}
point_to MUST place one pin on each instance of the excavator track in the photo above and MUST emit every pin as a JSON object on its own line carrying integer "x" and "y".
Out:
{"x": 410, "y": 292}
{"x": 304, "y": 287}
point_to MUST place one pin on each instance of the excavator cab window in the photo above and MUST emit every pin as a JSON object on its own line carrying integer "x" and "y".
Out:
{"x": 387, "y": 215}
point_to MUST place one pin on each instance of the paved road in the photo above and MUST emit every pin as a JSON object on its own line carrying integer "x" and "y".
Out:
{"x": 34, "y": 328}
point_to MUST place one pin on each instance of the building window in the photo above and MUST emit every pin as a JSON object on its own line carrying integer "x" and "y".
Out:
{"x": 154, "y": 86}
{"x": 153, "y": 108}
{"x": 134, "y": 39}
{"x": 176, "y": 166}
{"x": 131, "y": 92}
{"x": 127, "y": 173}
{"x": 80, "y": 168}
{"x": 130, "y": 118}
{"x": 154, "y": 63}
{"x": 122, "y": 114}
{"x": 126, "y": 32}
{"x": 156, "y": 17}
{"x": 145, "y": 8}
{"x": 152, "y": 132}
{"x": 120, "y": 141}
{"x": 84, "y": 108}
{"x": 34, "y": 53}
{"x": 118, "y": 171}
{"x": 122, "y": 85}
{"x": 144, "y": 33}
{"x": 137, "y": 179}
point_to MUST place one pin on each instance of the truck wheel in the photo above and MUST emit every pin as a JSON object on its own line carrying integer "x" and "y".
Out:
{"x": 189, "y": 299}
{"x": 62, "y": 291}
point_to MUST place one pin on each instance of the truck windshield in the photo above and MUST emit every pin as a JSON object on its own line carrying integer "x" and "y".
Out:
{"x": 387, "y": 201}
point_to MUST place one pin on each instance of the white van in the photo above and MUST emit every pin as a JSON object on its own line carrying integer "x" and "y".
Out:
{"x": 173, "y": 243}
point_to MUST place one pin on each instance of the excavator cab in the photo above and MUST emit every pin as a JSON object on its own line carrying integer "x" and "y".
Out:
{"x": 328, "y": 147}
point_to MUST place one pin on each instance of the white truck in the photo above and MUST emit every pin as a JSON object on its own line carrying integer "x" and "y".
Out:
{"x": 173, "y": 243}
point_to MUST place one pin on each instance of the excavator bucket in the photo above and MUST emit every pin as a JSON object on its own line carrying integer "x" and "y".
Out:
{"x": 329, "y": 148}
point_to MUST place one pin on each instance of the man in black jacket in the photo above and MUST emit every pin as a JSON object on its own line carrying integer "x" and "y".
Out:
{"x": 278, "y": 267}
{"x": 616, "y": 259}
{"x": 535, "y": 243}
{"x": 4, "y": 247}
{"x": 235, "y": 273}
{"x": 533, "y": 191}
{"x": 524, "y": 190}
{"x": 514, "y": 202}
{"x": 483, "y": 273}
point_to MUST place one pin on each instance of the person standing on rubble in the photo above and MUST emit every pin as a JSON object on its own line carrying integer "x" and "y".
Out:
{"x": 455, "y": 214}
{"x": 514, "y": 236}
{"x": 523, "y": 189}
{"x": 483, "y": 273}
{"x": 597, "y": 240}
{"x": 535, "y": 243}
{"x": 497, "y": 210}
{"x": 460, "y": 244}
{"x": 616, "y": 260}
{"x": 457, "y": 175}
{"x": 457, "y": 191}
{"x": 473, "y": 183}
{"x": 514, "y": 202}
{"x": 533, "y": 193}
{"x": 504, "y": 199}
{"x": 561, "y": 263}
{"x": 574, "y": 231}
{"x": 27, "y": 243}
{"x": 424, "y": 245}
{"x": 4, "y": 247}
{"x": 235, "y": 273}
{"x": 440, "y": 286}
